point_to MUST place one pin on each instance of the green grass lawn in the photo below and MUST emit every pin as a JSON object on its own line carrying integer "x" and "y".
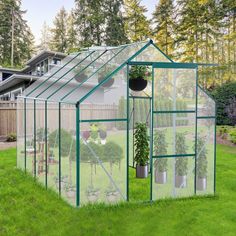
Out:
{"x": 26, "y": 208}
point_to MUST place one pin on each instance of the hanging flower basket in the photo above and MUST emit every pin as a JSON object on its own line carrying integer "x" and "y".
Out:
{"x": 86, "y": 135}
{"x": 108, "y": 84}
{"x": 80, "y": 78}
{"x": 138, "y": 84}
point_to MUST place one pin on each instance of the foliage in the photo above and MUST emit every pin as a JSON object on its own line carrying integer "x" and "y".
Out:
{"x": 137, "y": 72}
{"x": 94, "y": 131}
{"x": 86, "y": 155}
{"x": 141, "y": 144}
{"x": 40, "y": 134}
{"x": 224, "y": 96}
{"x": 11, "y": 137}
{"x": 201, "y": 157}
{"x": 232, "y": 134}
{"x": 160, "y": 148}
{"x": 137, "y": 26}
{"x": 12, "y": 16}
{"x": 181, "y": 163}
{"x": 223, "y": 131}
{"x": 112, "y": 152}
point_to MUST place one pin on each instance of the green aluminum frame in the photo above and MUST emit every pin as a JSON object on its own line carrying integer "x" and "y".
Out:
{"x": 129, "y": 62}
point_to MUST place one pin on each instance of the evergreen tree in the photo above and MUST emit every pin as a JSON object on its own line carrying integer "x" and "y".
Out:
{"x": 45, "y": 38}
{"x": 59, "y": 32}
{"x": 137, "y": 26}
{"x": 90, "y": 19}
{"x": 164, "y": 26}
{"x": 72, "y": 33}
{"x": 16, "y": 39}
{"x": 115, "y": 30}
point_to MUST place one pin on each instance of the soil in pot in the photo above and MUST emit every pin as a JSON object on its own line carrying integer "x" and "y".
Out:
{"x": 160, "y": 177}
{"x": 107, "y": 84}
{"x": 141, "y": 171}
{"x": 138, "y": 84}
{"x": 81, "y": 78}
{"x": 201, "y": 184}
{"x": 180, "y": 181}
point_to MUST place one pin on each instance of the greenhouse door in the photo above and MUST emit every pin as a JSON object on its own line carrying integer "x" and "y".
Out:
{"x": 173, "y": 148}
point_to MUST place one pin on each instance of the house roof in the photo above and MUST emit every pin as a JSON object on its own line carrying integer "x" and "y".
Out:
{"x": 94, "y": 62}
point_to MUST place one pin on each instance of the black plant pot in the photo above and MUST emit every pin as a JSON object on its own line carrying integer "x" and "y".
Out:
{"x": 81, "y": 78}
{"x": 138, "y": 84}
{"x": 108, "y": 84}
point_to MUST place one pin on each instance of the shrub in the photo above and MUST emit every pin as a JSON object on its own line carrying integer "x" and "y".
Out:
{"x": 232, "y": 134}
{"x": 225, "y": 97}
{"x": 112, "y": 152}
{"x": 223, "y": 131}
{"x": 11, "y": 137}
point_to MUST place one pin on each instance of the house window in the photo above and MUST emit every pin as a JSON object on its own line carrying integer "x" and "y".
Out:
{"x": 56, "y": 61}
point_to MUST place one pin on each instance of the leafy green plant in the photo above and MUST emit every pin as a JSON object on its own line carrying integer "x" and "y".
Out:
{"x": 86, "y": 155}
{"x": 112, "y": 152}
{"x": 223, "y": 131}
{"x": 94, "y": 131}
{"x": 141, "y": 144}
{"x": 11, "y": 137}
{"x": 232, "y": 134}
{"x": 181, "y": 163}
{"x": 137, "y": 72}
{"x": 160, "y": 148}
{"x": 201, "y": 158}
{"x": 40, "y": 134}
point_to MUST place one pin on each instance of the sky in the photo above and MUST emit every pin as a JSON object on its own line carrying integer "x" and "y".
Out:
{"x": 41, "y": 11}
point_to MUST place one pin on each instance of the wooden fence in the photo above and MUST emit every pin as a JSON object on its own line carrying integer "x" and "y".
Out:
{"x": 8, "y": 115}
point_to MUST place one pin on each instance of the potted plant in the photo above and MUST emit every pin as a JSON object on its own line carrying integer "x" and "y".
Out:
{"x": 70, "y": 190}
{"x": 112, "y": 195}
{"x": 201, "y": 171}
{"x": 103, "y": 73}
{"x": 181, "y": 163}
{"x": 160, "y": 164}
{"x": 92, "y": 194}
{"x": 141, "y": 150}
{"x": 102, "y": 134}
{"x": 138, "y": 76}
{"x": 94, "y": 133}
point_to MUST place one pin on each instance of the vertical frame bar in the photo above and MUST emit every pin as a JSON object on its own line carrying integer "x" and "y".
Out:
{"x": 133, "y": 127}
{"x": 77, "y": 155}
{"x": 215, "y": 151}
{"x": 46, "y": 145}
{"x": 25, "y": 130}
{"x": 34, "y": 138}
{"x": 196, "y": 135}
{"x": 127, "y": 137}
{"x": 59, "y": 146}
{"x": 151, "y": 134}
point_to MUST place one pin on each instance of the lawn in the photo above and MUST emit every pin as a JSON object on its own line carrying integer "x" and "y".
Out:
{"x": 26, "y": 208}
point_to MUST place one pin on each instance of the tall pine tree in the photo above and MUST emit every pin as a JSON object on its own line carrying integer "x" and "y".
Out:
{"x": 16, "y": 39}
{"x": 137, "y": 26}
{"x": 45, "y": 38}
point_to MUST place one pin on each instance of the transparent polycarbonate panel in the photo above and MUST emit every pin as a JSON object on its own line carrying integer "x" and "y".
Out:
{"x": 40, "y": 141}
{"x": 174, "y": 89}
{"x": 103, "y": 163}
{"x": 20, "y": 134}
{"x": 53, "y": 141}
{"x": 205, "y": 156}
{"x": 173, "y": 177}
{"x": 179, "y": 130}
{"x": 75, "y": 75}
{"x": 206, "y": 105}
{"x": 68, "y": 153}
{"x": 30, "y": 136}
{"x": 55, "y": 72}
{"x": 103, "y": 68}
{"x": 151, "y": 54}
{"x": 131, "y": 133}
{"x": 108, "y": 101}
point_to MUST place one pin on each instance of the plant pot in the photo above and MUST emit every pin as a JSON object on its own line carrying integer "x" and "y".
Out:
{"x": 160, "y": 177}
{"x": 93, "y": 196}
{"x": 71, "y": 193}
{"x": 180, "y": 181}
{"x": 81, "y": 78}
{"x": 86, "y": 135}
{"x": 138, "y": 84}
{"x": 112, "y": 196}
{"x": 103, "y": 141}
{"x": 141, "y": 171}
{"x": 201, "y": 184}
{"x": 107, "y": 84}
{"x": 102, "y": 134}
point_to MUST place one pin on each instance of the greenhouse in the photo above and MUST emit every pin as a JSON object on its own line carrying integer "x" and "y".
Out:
{"x": 76, "y": 126}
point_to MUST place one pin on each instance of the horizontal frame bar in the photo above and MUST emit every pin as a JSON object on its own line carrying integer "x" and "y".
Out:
{"x": 184, "y": 111}
{"x": 175, "y": 156}
{"x": 140, "y": 97}
{"x": 206, "y": 117}
{"x": 104, "y": 120}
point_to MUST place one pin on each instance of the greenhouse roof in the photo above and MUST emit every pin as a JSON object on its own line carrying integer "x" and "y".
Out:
{"x": 80, "y": 71}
